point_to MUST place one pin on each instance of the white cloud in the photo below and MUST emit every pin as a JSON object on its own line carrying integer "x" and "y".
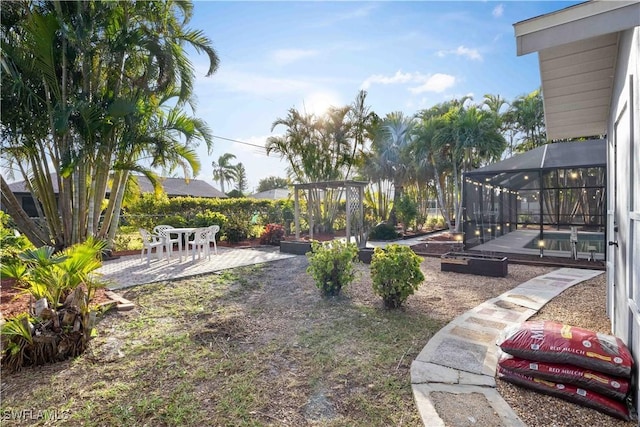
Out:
{"x": 398, "y": 77}
{"x": 473, "y": 54}
{"x": 498, "y": 10}
{"x": 436, "y": 83}
{"x": 426, "y": 83}
{"x": 287, "y": 56}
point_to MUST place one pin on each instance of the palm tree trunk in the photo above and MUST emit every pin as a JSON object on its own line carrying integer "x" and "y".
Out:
{"x": 440, "y": 196}
{"x": 115, "y": 218}
{"x": 25, "y": 224}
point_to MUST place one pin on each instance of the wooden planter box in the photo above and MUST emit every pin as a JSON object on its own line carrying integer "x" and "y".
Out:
{"x": 296, "y": 247}
{"x": 482, "y": 265}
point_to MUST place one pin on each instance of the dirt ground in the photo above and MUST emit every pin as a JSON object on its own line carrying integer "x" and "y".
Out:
{"x": 292, "y": 301}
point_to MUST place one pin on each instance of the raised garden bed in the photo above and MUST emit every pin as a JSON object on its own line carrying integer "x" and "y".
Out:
{"x": 296, "y": 247}
{"x": 479, "y": 264}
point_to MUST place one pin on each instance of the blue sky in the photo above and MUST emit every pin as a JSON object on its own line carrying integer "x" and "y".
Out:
{"x": 310, "y": 55}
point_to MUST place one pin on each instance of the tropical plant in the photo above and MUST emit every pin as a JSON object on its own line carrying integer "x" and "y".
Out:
{"x": 392, "y": 137}
{"x": 11, "y": 243}
{"x": 407, "y": 211}
{"x": 273, "y": 234}
{"x": 241, "y": 178}
{"x": 272, "y": 183}
{"x": 526, "y": 118}
{"x": 321, "y": 149}
{"x": 93, "y": 91}
{"x": 383, "y": 231}
{"x": 331, "y": 265}
{"x": 223, "y": 170}
{"x": 236, "y": 229}
{"x": 396, "y": 274}
{"x": 63, "y": 287}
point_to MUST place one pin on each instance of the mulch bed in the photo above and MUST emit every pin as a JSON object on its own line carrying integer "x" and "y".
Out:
{"x": 14, "y": 300}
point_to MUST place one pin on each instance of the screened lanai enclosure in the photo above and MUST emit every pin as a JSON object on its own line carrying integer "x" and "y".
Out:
{"x": 556, "y": 190}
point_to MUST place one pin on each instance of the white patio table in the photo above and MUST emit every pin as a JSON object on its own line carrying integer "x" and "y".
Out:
{"x": 181, "y": 231}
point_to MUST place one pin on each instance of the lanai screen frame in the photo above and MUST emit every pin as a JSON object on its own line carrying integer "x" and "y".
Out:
{"x": 551, "y": 175}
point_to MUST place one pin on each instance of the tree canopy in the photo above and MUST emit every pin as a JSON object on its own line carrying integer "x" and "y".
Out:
{"x": 93, "y": 91}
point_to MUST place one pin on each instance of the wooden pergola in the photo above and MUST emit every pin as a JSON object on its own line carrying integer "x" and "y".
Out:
{"x": 354, "y": 191}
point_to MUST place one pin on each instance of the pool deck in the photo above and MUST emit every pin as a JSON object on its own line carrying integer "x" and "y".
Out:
{"x": 516, "y": 241}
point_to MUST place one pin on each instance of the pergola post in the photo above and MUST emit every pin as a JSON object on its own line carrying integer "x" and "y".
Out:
{"x": 363, "y": 232}
{"x": 297, "y": 211}
{"x": 348, "y": 211}
{"x": 310, "y": 213}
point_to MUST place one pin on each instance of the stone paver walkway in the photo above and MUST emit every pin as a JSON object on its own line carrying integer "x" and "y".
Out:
{"x": 130, "y": 270}
{"x": 462, "y": 357}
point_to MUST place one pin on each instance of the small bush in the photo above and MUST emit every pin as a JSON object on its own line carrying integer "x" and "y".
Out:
{"x": 331, "y": 265}
{"x": 383, "y": 231}
{"x": 272, "y": 234}
{"x": 407, "y": 211}
{"x": 236, "y": 229}
{"x": 396, "y": 274}
{"x": 175, "y": 221}
{"x": 209, "y": 217}
{"x": 433, "y": 222}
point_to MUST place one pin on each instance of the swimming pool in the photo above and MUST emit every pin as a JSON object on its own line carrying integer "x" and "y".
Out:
{"x": 560, "y": 242}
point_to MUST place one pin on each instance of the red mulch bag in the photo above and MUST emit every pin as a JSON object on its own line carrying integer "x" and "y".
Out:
{"x": 545, "y": 341}
{"x": 568, "y": 392}
{"x": 607, "y": 385}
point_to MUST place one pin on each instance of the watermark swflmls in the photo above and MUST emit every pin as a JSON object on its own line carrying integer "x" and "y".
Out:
{"x": 35, "y": 414}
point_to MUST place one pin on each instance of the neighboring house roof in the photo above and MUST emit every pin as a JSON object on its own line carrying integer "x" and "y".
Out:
{"x": 513, "y": 172}
{"x": 174, "y": 187}
{"x": 577, "y": 49}
{"x": 274, "y": 194}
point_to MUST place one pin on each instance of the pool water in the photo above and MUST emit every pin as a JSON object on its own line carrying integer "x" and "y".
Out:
{"x": 561, "y": 242}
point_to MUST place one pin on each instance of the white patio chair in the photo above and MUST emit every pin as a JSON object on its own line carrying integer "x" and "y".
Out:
{"x": 200, "y": 243}
{"x": 213, "y": 230}
{"x": 150, "y": 241}
{"x": 161, "y": 230}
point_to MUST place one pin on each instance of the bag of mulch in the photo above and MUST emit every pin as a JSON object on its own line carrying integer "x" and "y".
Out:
{"x": 568, "y": 392}
{"x": 546, "y": 341}
{"x": 607, "y": 385}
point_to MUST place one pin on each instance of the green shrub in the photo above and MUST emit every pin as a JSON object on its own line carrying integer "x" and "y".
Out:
{"x": 383, "y": 231}
{"x": 11, "y": 244}
{"x": 331, "y": 265}
{"x": 396, "y": 274}
{"x": 174, "y": 221}
{"x": 407, "y": 211}
{"x": 433, "y": 222}
{"x": 209, "y": 217}
{"x": 272, "y": 234}
{"x": 236, "y": 229}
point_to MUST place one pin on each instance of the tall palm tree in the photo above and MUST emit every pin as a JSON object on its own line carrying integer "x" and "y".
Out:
{"x": 390, "y": 145}
{"x": 94, "y": 77}
{"x": 223, "y": 170}
{"x": 241, "y": 178}
{"x": 526, "y": 117}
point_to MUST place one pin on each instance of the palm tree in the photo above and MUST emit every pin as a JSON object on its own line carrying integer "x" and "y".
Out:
{"x": 94, "y": 77}
{"x": 526, "y": 118}
{"x": 223, "y": 170}
{"x": 390, "y": 146}
{"x": 241, "y": 178}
